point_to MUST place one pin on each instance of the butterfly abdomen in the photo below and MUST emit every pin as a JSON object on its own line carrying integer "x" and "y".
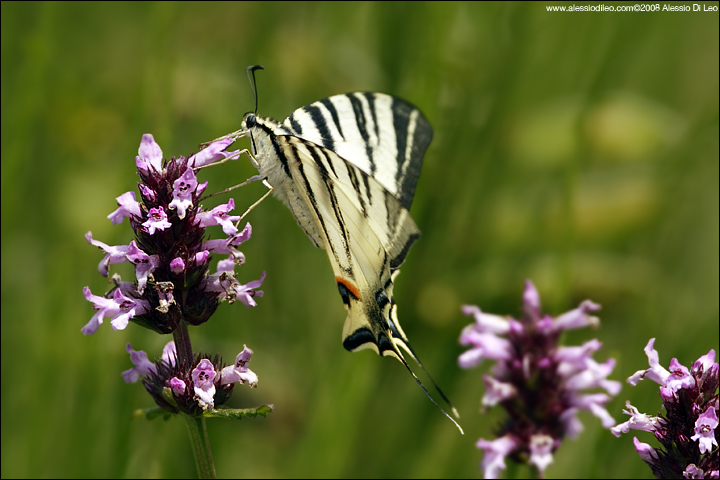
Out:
{"x": 365, "y": 325}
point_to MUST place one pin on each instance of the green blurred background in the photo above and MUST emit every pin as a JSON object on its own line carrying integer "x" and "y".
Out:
{"x": 579, "y": 150}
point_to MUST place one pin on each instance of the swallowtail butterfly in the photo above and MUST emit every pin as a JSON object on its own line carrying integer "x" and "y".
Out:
{"x": 346, "y": 166}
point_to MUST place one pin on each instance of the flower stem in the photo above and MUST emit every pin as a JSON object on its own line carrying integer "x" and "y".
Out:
{"x": 201, "y": 446}
{"x": 181, "y": 336}
{"x": 197, "y": 428}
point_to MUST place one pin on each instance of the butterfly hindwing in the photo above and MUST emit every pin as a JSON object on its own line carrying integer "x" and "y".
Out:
{"x": 362, "y": 251}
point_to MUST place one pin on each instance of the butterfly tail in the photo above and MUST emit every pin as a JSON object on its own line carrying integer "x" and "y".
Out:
{"x": 400, "y": 340}
{"x": 398, "y": 354}
{"x": 374, "y": 325}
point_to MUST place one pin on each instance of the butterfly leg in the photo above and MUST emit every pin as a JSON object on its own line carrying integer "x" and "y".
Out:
{"x": 270, "y": 189}
{"x": 234, "y": 135}
{"x": 252, "y": 179}
{"x": 233, "y": 157}
{"x": 246, "y": 182}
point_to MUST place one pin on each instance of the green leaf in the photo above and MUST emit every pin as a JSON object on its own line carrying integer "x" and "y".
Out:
{"x": 238, "y": 413}
{"x": 152, "y": 413}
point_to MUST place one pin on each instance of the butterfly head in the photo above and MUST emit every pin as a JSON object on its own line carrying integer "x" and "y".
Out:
{"x": 249, "y": 121}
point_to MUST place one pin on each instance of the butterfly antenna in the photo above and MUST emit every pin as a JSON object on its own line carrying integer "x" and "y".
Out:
{"x": 253, "y": 85}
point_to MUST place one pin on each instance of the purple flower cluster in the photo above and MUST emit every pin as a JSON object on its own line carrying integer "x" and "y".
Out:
{"x": 173, "y": 285}
{"x": 192, "y": 388}
{"x": 688, "y": 431}
{"x": 536, "y": 380}
{"x": 170, "y": 253}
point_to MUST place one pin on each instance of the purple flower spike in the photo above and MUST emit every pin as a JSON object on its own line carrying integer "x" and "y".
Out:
{"x": 227, "y": 246}
{"x": 540, "y": 383}
{"x": 485, "y": 322}
{"x": 688, "y": 431}
{"x": 195, "y": 387}
{"x": 171, "y": 253}
{"x": 485, "y": 345}
{"x": 171, "y": 256}
{"x": 169, "y": 354}
{"x": 245, "y": 235}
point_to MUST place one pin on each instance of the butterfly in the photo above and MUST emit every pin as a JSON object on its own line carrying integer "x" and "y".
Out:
{"x": 346, "y": 166}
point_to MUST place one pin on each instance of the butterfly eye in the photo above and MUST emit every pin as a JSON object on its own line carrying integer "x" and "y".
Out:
{"x": 250, "y": 121}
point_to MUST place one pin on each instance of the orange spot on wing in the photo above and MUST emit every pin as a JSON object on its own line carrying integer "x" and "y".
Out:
{"x": 347, "y": 284}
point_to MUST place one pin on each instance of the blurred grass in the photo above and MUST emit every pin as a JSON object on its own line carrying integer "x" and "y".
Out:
{"x": 579, "y": 150}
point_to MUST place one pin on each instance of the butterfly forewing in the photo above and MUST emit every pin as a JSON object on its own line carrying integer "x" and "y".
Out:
{"x": 383, "y": 136}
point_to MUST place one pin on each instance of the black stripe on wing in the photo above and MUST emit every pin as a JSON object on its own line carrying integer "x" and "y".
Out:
{"x": 362, "y": 128}
{"x": 413, "y": 134}
{"x": 321, "y": 124}
{"x": 370, "y": 97}
{"x": 295, "y": 125}
{"x": 333, "y": 112}
{"x": 364, "y": 335}
{"x": 323, "y": 188}
{"x": 353, "y": 176}
{"x": 398, "y": 259}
